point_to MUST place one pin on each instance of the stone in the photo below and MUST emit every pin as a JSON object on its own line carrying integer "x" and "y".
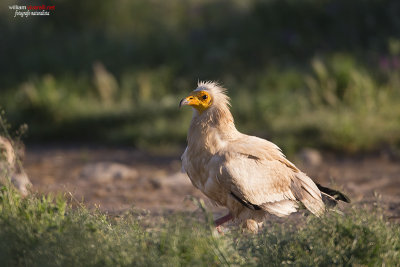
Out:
{"x": 21, "y": 182}
{"x": 310, "y": 157}
{"x": 104, "y": 172}
{"x": 10, "y": 170}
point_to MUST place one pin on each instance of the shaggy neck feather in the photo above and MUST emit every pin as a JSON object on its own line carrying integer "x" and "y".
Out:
{"x": 210, "y": 128}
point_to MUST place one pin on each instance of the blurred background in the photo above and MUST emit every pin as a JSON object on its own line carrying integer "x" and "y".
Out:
{"x": 105, "y": 78}
{"x": 320, "y": 73}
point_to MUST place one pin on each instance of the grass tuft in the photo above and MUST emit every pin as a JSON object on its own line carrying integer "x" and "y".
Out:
{"x": 48, "y": 231}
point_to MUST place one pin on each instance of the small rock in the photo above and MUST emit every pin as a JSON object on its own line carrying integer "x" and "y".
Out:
{"x": 310, "y": 157}
{"x": 107, "y": 172}
{"x": 175, "y": 180}
{"x": 9, "y": 167}
{"x": 21, "y": 182}
{"x": 7, "y": 154}
{"x": 155, "y": 183}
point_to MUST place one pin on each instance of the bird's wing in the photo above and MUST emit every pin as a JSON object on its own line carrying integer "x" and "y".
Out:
{"x": 257, "y": 173}
{"x": 261, "y": 149}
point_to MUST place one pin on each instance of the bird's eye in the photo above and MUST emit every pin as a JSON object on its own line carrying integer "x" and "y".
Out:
{"x": 204, "y": 96}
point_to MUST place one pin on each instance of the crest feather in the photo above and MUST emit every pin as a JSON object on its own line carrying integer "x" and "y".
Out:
{"x": 217, "y": 92}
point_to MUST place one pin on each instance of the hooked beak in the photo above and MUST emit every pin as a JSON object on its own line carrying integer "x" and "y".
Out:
{"x": 184, "y": 102}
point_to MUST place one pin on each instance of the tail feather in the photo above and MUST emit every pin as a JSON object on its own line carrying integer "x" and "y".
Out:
{"x": 305, "y": 190}
{"x": 336, "y": 195}
{"x": 281, "y": 208}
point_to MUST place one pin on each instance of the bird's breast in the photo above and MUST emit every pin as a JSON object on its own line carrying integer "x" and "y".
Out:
{"x": 205, "y": 142}
{"x": 195, "y": 164}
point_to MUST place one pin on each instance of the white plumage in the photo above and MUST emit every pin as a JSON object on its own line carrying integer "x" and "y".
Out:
{"x": 248, "y": 175}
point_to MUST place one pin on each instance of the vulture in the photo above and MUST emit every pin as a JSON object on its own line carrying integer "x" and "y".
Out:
{"x": 250, "y": 176}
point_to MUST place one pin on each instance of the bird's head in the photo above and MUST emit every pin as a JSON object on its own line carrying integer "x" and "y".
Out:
{"x": 200, "y": 100}
{"x": 206, "y": 95}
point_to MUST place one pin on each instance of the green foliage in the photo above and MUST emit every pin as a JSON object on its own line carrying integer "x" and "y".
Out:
{"x": 303, "y": 73}
{"x": 340, "y": 104}
{"x": 333, "y": 105}
{"x": 199, "y": 38}
{"x": 358, "y": 238}
{"x": 48, "y": 231}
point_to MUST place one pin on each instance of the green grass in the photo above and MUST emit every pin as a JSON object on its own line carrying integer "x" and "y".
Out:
{"x": 302, "y": 73}
{"x": 333, "y": 104}
{"x": 48, "y": 231}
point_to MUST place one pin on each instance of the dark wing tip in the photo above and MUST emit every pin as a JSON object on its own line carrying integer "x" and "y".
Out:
{"x": 334, "y": 193}
{"x": 246, "y": 203}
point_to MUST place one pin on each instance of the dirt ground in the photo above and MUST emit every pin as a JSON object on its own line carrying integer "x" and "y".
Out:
{"x": 117, "y": 179}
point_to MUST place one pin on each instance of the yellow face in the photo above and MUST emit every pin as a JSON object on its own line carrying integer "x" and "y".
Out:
{"x": 200, "y": 100}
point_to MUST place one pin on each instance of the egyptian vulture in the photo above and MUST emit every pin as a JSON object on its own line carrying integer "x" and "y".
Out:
{"x": 248, "y": 175}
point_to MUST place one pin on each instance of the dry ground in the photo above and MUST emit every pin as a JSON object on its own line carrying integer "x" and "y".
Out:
{"x": 118, "y": 179}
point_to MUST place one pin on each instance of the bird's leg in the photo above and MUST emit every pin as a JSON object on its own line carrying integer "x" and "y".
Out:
{"x": 223, "y": 219}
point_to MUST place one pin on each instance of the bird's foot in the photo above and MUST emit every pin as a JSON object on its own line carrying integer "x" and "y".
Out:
{"x": 218, "y": 223}
{"x": 220, "y": 229}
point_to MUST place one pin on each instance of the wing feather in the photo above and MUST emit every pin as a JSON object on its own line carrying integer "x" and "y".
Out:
{"x": 256, "y": 171}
